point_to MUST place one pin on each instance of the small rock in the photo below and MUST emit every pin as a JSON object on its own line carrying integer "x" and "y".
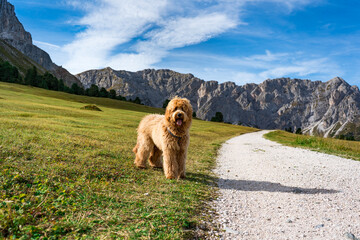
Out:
{"x": 202, "y": 226}
{"x": 297, "y": 190}
{"x": 229, "y": 230}
{"x": 289, "y": 221}
{"x": 319, "y": 226}
{"x": 351, "y": 236}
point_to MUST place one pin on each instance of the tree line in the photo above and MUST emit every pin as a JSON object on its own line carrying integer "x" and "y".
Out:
{"x": 10, "y": 73}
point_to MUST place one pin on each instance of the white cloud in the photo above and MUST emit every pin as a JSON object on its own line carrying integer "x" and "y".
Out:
{"x": 187, "y": 31}
{"x": 242, "y": 78}
{"x": 303, "y": 68}
{"x": 290, "y": 5}
{"x": 135, "y": 61}
{"x": 46, "y": 45}
{"x": 137, "y": 34}
{"x": 257, "y": 68}
{"x": 268, "y": 57}
{"x": 112, "y": 23}
{"x": 174, "y": 34}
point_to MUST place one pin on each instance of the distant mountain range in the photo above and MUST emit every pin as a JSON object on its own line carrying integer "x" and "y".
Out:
{"x": 17, "y": 48}
{"x": 329, "y": 109}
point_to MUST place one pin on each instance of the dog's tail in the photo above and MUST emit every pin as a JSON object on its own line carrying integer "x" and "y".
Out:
{"x": 135, "y": 149}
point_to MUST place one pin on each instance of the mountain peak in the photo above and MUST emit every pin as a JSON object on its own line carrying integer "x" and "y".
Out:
{"x": 337, "y": 80}
{"x": 11, "y": 29}
{"x": 12, "y": 32}
{"x": 4, "y": 5}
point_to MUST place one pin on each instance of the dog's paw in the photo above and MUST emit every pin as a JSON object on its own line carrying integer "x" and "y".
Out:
{"x": 170, "y": 177}
{"x": 140, "y": 166}
{"x": 156, "y": 166}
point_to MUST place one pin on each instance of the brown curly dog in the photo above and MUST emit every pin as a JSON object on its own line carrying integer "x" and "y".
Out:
{"x": 165, "y": 135}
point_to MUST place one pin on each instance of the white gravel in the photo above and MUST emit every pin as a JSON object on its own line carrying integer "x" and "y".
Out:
{"x": 270, "y": 191}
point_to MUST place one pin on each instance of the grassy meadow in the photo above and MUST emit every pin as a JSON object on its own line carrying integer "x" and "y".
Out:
{"x": 66, "y": 172}
{"x": 342, "y": 148}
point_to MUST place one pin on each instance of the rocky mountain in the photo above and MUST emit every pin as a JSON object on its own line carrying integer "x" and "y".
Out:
{"x": 319, "y": 108}
{"x": 13, "y": 33}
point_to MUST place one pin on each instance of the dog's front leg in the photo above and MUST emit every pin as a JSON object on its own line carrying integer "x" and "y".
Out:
{"x": 171, "y": 167}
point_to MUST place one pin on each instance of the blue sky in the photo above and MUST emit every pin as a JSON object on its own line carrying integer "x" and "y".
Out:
{"x": 225, "y": 40}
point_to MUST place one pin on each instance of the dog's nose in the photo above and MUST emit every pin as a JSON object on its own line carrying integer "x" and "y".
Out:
{"x": 179, "y": 115}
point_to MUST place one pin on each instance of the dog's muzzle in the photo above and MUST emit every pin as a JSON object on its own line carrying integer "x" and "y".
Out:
{"x": 179, "y": 118}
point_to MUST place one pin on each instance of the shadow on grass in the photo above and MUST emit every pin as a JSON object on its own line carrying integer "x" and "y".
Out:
{"x": 255, "y": 186}
{"x": 202, "y": 178}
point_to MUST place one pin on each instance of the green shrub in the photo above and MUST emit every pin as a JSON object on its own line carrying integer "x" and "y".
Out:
{"x": 165, "y": 103}
{"x": 91, "y": 107}
{"x": 112, "y": 94}
{"x": 218, "y": 117}
{"x": 103, "y": 93}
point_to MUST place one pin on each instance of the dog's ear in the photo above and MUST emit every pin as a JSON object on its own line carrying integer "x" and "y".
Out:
{"x": 168, "y": 112}
{"x": 188, "y": 108}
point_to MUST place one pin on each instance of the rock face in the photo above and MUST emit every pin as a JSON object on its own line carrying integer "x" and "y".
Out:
{"x": 327, "y": 109}
{"x": 13, "y": 33}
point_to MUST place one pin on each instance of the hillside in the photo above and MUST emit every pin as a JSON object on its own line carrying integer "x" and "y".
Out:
{"x": 67, "y": 172}
{"x": 329, "y": 109}
{"x": 13, "y": 34}
{"x": 18, "y": 59}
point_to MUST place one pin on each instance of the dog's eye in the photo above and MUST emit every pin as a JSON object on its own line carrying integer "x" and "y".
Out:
{"x": 176, "y": 108}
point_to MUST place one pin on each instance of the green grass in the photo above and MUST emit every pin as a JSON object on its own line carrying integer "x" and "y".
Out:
{"x": 343, "y": 148}
{"x": 68, "y": 173}
{"x": 18, "y": 59}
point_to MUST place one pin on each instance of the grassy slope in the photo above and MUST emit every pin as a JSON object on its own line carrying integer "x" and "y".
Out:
{"x": 343, "y": 148}
{"x": 18, "y": 59}
{"x": 67, "y": 172}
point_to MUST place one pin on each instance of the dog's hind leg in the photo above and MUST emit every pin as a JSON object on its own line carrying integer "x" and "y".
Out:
{"x": 155, "y": 158}
{"x": 143, "y": 151}
{"x": 135, "y": 149}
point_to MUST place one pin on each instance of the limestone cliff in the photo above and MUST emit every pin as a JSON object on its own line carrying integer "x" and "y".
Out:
{"x": 13, "y": 33}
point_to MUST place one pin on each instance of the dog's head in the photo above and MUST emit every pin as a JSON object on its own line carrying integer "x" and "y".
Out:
{"x": 179, "y": 113}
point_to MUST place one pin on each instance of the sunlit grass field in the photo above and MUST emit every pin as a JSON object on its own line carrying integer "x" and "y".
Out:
{"x": 68, "y": 173}
{"x": 343, "y": 148}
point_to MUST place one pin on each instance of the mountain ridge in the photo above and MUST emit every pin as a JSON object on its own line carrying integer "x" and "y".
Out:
{"x": 13, "y": 33}
{"x": 327, "y": 109}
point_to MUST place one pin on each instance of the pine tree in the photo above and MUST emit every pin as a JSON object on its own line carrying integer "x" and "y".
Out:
{"x": 218, "y": 117}
{"x": 61, "y": 85}
{"x": 112, "y": 94}
{"x": 103, "y": 93}
{"x": 94, "y": 91}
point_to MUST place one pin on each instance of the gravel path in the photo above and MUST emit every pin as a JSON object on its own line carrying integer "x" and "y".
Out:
{"x": 270, "y": 191}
